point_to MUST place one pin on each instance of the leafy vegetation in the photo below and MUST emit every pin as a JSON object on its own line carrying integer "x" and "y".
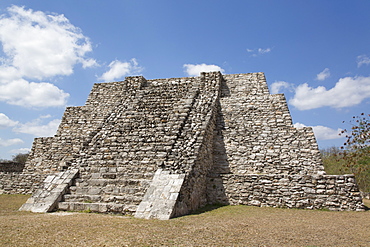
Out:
{"x": 18, "y": 158}
{"x": 354, "y": 155}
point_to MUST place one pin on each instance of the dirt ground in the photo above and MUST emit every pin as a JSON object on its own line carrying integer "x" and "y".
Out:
{"x": 223, "y": 226}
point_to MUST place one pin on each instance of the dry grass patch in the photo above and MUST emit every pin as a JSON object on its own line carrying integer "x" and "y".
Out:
{"x": 224, "y": 226}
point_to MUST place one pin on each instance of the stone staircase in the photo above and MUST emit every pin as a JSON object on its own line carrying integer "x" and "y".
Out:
{"x": 118, "y": 194}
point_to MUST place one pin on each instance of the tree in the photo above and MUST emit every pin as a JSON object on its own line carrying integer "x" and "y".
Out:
{"x": 333, "y": 161}
{"x": 20, "y": 158}
{"x": 356, "y": 149}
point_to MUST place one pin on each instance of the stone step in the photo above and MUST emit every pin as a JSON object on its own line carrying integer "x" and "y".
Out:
{"x": 120, "y": 199}
{"x": 98, "y": 207}
{"x": 108, "y": 190}
{"x": 115, "y": 182}
{"x": 119, "y": 175}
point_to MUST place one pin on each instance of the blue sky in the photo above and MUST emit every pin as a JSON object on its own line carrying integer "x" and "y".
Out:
{"x": 315, "y": 52}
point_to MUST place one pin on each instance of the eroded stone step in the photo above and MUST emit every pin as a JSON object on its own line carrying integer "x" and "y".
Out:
{"x": 107, "y": 190}
{"x": 113, "y": 181}
{"x": 117, "y": 174}
{"x": 98, "y": 207}
{"x": 120, "y": 199}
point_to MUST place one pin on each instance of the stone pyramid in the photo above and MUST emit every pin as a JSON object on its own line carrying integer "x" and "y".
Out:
{"x": 166, "y": 147}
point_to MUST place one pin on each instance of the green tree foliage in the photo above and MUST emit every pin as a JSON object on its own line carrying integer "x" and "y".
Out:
{"x": 20, "y": 158}
{"x": 356, "y": 149}
{"x": 333, "y": 161}
{"x": 354, "y": 155}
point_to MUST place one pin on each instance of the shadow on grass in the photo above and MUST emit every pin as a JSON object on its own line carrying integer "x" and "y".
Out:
{"x": 366, "y": 203}
{"x": 207, "y": 208}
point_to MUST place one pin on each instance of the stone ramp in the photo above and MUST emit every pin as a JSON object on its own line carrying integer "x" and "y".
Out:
{"x": 160, "y": 199}
{"x": 46, "y": 198}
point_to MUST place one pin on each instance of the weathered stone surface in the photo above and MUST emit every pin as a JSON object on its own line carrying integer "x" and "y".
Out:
{"x": 161, "y": 197}
{"x": 163, "y": 148}
{"x": 45, "y": 199}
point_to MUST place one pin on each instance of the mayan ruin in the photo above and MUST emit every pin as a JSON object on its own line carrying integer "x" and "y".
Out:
{"x": 163, "y": 148}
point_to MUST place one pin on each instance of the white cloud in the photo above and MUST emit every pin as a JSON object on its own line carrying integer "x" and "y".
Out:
{"x": 87, "y": 63}
{"x": 363, "y": 60}
{"x": 323, "y": 75}
{"x": 23, "y": 93}
{"x": 348, "y": 91}
{"x": 45, "y": 116}
{"x": 20, "y": 151}
{"x": 36, "y": 128}
{"x": 278, "y": 85}
{"x": 322, "y": 132}
{"x": 120, "y": 69}
{"x": 10, "y": 142}
{"x": 263, "y": 51}
{"x": 299, "y": 125}
{"x": 51, "y": 42}
{"x": 38, "y": 46}
{"x": 196, "y": 69}
{"x": 259, "y": 51}
{"x": 5, "y": 121}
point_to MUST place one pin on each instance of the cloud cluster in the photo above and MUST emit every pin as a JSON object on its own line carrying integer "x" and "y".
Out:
{"x": 10, "y": 142}
{"x": 323, "y": 75}
{"x": 20, "y": 151}
{"x": 118, "y": 69}
{"x": 322, "y": 132}
{"x": 23, "y": 93}
{"x": 348, "y": 91}
{"x": 259, "y": 51}
{"x": 6, "y": 122}
{"x": 196, "y": 69}
{"x": 36, "y": 127}
{"x": 38, "y": 46}
{"x": 277, "y": 86}
{"x": 363, "y": 60}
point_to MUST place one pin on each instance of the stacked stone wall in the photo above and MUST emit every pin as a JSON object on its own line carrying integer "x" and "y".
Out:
{"x": 262, "y": 160}
{"x": 258, "y": 134}
{"x": 19, "y": 183}
{"x": 334, "y": 192}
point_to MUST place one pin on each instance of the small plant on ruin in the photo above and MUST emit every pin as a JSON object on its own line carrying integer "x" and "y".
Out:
{"x": 87, "y": 211}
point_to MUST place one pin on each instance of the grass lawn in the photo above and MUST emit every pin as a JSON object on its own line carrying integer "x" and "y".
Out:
{"x": 224, "y": 226}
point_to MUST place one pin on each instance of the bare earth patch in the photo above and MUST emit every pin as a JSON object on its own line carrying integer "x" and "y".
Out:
{"x": 224, "y": 226}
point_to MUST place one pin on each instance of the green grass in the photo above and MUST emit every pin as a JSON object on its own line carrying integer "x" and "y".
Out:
{"x": 218, "y": 226}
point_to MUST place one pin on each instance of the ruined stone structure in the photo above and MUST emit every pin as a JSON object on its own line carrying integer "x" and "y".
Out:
{"x": 163, "y": 148}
